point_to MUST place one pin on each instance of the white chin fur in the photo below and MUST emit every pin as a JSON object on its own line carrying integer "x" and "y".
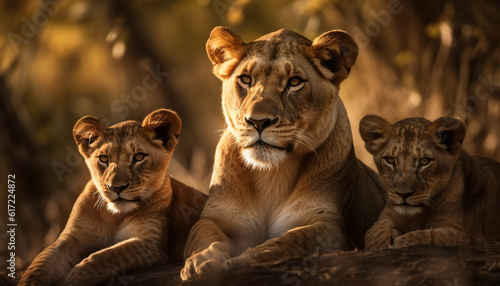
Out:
{"x": 407, "y": 211}
{"x": 263, "y": 158}
{"x": 122, "y": 207}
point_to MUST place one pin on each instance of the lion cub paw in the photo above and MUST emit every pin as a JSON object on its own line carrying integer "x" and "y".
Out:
{"x": 382, "y": 237}
{"x": 413, "y": 238}
{"x": 208, "y": 261}
{"x": 80, "y": 276}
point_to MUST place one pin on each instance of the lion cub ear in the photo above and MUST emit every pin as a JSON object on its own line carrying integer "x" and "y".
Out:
{"x": 375, "y": 131}
{"x": 337, "y": 52}
{"x": 88, "y": 131}
{"x": 165, "y": 125}
{"x": 225, "y": 49}
{"x": 448, "y": 133}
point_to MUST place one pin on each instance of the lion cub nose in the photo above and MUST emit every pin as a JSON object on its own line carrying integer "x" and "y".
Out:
{"x": 261, "y": 124}
{"x": 118, "y": 189}
{"x": 404, "y": 196}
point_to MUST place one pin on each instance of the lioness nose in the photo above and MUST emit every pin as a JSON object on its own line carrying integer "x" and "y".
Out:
{"x": 261, "y": 124}
{"x": 118, "y": 189}
{"x": 404, "y": 196}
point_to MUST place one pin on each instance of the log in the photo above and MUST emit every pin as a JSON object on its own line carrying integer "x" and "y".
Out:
{"x": 447, "y": 266}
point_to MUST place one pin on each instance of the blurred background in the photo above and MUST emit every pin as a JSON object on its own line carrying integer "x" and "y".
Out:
{"x": 120, "y": 60}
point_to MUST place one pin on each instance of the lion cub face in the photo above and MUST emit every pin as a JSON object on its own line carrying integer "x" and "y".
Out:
{"x": 414, "y": 157}
{"x": 128, "y": 161}
{"x": 278, "y": 98}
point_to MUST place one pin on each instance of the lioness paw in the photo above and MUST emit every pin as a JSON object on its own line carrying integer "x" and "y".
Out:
{"x": 208, "y": 261}
{"x": 253, "y": 256}
{"x": 246, "y": 258}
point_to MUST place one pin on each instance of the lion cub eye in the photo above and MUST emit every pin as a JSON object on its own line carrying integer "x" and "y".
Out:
{"x": 425, "y": 161}
{"x": 390, "y": 160}
{"x": 103, "y": 159}
{"x": 139, "y": 157}
{"x": 244, "y": 80}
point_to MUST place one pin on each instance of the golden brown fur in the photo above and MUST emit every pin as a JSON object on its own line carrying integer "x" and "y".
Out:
{"x": 438, "y": 194}
{"x": 286, "y": 182}
{"x": 132, "y": 214}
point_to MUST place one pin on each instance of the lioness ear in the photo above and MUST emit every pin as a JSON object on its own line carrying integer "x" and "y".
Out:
{"x": 448, "y": 133}
{"x": 375, "y": 131}
{"x": 87, "y": 132}
{"x": 165, "y": 125}
{"x": 225, "y": 49}
{"x": 337, "y": 52}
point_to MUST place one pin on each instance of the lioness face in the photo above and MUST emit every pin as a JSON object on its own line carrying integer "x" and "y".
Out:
{"x": 128, "y": 161}
{"x": 280, "y": 91}
{"x": 414, "y": 157}
{"x": 271, "y": 108}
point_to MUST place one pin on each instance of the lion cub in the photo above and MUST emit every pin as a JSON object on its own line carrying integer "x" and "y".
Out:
{"x": 132, "y": 214}
{"x": 438, "y": 194}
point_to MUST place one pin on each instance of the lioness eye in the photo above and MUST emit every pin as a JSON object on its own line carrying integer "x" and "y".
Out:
{"x": 390, "y": 160}
{"x": 139, "y": 157}
{"x": 294, "y": 81}
{"x": 103, "y": 159}
{"x": 425, "y": 161}
{"x": 244, "y": 80}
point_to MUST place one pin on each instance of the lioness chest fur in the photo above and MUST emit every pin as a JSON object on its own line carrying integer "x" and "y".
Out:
{"x": 438, "y": 194}
{"x": 132, "y": 214}
{"x": 286, "y": 181}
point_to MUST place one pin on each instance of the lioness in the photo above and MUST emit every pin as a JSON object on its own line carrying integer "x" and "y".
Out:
{"x": 286, "y": 182}
{"x": 438, "y": 194}
{"x": 131, "y": 214}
